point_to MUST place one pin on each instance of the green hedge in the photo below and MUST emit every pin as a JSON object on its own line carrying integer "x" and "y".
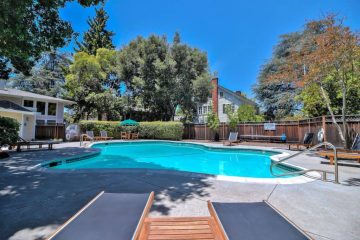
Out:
{"x": 9, "y": 128}
{"x": 147, "y": 130}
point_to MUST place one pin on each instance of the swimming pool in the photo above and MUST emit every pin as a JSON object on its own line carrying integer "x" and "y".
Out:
{"x": 179, "y": 157}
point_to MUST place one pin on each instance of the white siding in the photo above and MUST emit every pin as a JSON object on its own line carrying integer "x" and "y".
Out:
{"x": 227, "y": 99}
{"x": 60, "y": 113}
{"x": 224, "y": 97}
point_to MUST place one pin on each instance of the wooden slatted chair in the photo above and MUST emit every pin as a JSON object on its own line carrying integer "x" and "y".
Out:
{"x": 104, "y": 136}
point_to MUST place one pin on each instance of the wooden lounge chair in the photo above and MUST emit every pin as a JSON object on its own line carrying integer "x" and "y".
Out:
{"x": 340, "y": 155}
{"x": 232, "y": 138}
{"x": 353, "y": 153}
{"x": 253, "y": 221}
{"x": 307, "y": 141}
{"x": 264, "y": 138}
{"x": 23, "y": 142}
{"x": 104, "y": 136}
{"x": 108, "y": 216}
{"x": 89, "y": 136}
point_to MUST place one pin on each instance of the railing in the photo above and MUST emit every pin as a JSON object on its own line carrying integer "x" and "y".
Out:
{"x": 324, "y": 172}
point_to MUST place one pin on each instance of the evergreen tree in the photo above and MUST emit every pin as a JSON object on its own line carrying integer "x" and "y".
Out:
{"x": 97, "y": 36}
{"x": 47, "y": 76}
{"x": 30, "y": 28}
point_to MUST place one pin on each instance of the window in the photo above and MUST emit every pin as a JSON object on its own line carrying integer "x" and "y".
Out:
{"x": 221, "y": 94}
{"x": 209, "y": 108}
{"x": 40, "y": 122}
{"x": 52, "y": 109}
{"x": 40, "y": 107}
{"x": 28, "y": 103}
{"x": 51, "y": 122}
{"x": 200, "y": 111}
{"x": 205, "y": 109}
{"x": 226, "y": 106}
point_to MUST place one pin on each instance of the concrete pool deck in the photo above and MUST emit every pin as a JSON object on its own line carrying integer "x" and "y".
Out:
{"x": 33, "y": 203}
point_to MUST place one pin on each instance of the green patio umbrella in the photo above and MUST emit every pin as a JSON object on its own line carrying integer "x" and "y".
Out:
{"x": 129, "y": 122}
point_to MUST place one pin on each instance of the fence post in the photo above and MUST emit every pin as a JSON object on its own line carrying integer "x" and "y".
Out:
{"x": 324, "y": 126}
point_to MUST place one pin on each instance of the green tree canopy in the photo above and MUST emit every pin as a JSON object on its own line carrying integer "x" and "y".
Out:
{"x": 87, "y": 84}
{"x": 29, "y": 28}
{"x": 247, "y": 113}
{"x": 47, "y": 76}
{"x": 97, "y": 36}
{"x": 160, "y": 76}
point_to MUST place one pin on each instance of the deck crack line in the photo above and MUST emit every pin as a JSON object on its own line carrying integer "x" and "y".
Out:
{"x": 319, "y": 235}
{"x": 271, "y": 192}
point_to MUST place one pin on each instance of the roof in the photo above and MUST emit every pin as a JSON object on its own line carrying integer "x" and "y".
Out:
{"x": 12, "y": 107}
{"x": 243, "y": 98}
{"x": 23, "y": 94}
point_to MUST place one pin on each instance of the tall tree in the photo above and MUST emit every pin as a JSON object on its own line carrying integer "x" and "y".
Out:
{"x": 29, "y": 28}
{"x": 331, "y": 57}
{"x": 97, "y": 36}
{"x": 277, "y": 99}
{"x": 192, "y": 76}
{"x": 47, "y": 76}
{"x": 87, "y": 84}
{"x": 161, "y": 77}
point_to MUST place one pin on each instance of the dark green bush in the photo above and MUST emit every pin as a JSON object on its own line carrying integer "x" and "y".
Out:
{"x": 9, "y": 128}
{"x": 147, "y": 130}
{"x": 161, "y": 130}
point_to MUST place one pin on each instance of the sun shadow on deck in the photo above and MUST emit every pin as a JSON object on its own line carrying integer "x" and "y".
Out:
{"x": 31, "y": 199}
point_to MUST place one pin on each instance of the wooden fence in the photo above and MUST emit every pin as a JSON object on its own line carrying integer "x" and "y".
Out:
{"x": 50, "y": 131}
{"x": 294, "y": 130}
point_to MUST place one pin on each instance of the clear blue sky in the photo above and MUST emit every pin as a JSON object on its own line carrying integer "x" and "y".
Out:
{"x": 238, "y": 36}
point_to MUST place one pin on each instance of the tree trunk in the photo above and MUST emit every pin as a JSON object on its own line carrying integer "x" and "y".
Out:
{"x": 327, "y": 101}
{"x": 343, "y": 115}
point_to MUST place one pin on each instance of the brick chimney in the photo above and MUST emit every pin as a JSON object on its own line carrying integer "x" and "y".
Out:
{"x": 214, "y": 93}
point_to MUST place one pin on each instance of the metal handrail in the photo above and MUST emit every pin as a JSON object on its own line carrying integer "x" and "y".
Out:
{"x": 275, "y": 163}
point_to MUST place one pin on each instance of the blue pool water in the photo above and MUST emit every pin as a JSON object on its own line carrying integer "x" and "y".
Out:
{"x": 180, "y": 157}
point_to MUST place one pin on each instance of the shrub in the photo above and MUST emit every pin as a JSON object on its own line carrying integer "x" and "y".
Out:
{"x": 161, "y": 130}
{"x": 147, "y": 130}
{"x": 9, "y": 128}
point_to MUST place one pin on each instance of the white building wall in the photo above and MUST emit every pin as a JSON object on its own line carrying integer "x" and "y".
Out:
{"x": 227, "y": 99}
{"x": 60, "y": 113}
{"x": 224, "y": 97}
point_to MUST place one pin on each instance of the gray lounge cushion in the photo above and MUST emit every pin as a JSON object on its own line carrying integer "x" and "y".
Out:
{"x": 111, "y": 216}
{"x": 255, "y": 221}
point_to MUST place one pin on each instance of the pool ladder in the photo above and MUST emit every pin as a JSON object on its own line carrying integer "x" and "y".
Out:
{"x": 323, "y": 172}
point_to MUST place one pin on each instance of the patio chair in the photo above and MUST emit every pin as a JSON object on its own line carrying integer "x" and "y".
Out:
{"x": 108, "y": 216}
{"x": 307, "y": 141}
{"x": 135, "y": 136}
{"x": 124, "y": 135}
{"x": 104, "y": 136}
{"x": 232, "y": 138}
{"x": 88, "y": 136}
{"x": 253, "y": 221}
